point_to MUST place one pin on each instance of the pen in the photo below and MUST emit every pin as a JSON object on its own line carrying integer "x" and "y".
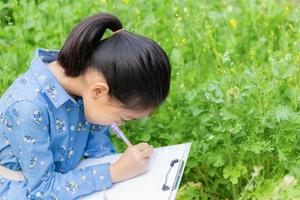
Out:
{"x": 120, "y": 133}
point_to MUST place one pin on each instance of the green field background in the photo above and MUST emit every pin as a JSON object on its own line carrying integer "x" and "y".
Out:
{"x": 235, "y": 90}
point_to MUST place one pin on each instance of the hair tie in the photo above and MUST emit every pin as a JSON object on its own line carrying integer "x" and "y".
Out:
{"x": 118, "y": 31}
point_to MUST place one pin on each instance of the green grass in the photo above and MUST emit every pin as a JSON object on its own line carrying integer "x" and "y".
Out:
{"x": 235, "y": 84}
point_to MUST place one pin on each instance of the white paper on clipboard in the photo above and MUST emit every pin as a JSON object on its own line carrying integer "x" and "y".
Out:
{"x": 147, "y": 186}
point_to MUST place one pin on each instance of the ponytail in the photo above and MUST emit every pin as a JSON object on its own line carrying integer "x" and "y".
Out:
{"x": 82, "y": 41}
{"x": 136, "y": 68}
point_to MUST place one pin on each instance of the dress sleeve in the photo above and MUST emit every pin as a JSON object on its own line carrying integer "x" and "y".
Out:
{"x": 27, "y": 129}
{"x": 99, "y": 143}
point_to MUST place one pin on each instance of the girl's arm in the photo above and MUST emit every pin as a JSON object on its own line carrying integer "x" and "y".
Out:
{"x": 26, "y": 129}
{"x": 99, "y": 143}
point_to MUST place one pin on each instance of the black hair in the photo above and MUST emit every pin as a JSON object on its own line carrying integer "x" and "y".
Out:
{"x": 136, "y": 68}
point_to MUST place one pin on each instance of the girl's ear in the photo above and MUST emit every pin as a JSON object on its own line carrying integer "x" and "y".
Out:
{"x": 99, "y": 90}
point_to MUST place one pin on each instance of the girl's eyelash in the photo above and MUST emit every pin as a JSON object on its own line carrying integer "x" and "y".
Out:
{"x": 124, "y": 120}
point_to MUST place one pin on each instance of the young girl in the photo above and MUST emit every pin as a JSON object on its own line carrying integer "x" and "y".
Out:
{"x": 59, "y": 111}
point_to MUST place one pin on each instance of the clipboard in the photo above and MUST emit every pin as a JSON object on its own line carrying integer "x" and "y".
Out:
{"x": 160, "y": 182}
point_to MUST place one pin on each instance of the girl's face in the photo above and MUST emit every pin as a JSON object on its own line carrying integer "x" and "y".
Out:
{"x": 106, "y": 110}
{"x": 101, "y": 108}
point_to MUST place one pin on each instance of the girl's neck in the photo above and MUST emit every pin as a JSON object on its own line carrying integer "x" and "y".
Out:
{"x": 72, "y": 85}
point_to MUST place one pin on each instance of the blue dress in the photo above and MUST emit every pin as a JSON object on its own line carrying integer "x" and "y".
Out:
{"x": 43, "y": 132}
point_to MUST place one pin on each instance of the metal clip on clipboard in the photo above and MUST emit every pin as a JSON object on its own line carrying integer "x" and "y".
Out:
{"x": 177, "y": 177}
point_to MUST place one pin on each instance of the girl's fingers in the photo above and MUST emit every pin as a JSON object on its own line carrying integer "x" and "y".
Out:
{"x": 147, "y": 152}
{"x": 142, "y": 146}
{"x": 129, "y": 144}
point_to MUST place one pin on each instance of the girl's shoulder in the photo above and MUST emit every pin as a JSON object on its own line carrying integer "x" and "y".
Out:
{"x": 37, "y": 85}
{"x": 25, "y": 91}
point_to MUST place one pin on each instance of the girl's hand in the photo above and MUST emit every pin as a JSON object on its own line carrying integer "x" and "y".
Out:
{"x": 133, "y": 162}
